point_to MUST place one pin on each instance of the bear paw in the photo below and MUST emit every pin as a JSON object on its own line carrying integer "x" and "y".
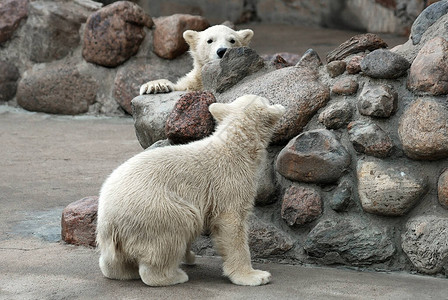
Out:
{"x": 157, "y": 86}
{"x": 254, "y": 277}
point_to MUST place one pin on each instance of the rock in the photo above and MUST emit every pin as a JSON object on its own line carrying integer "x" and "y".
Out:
{"x": 336, "y": 115}
{"x": 150, "y": 113}
{"x": 384, "y": 64}
{"x": 9, "y": 75}
{"x": 345, "y": 86}
{"x": 279, "y": 62}
{"x": 52, "y": 30}
{"x": 301, "y": 205}
{"x": 78, "y": 222}
{"x": 297, "y": 88}
{"x": 132, "y": 75}
{"x": 354, "y": 64}
{"x": 290, "y": 58}
{"x": 358, "y": 43}
{"x": 425, "y": 243}
{"x": 423, "y": 130}
{"x": 310, "y": 59}
{"x": 114, "y": 33}
{"x": 160, "y": 144}
{"x": 267, "y": 241}
{"x": 190, "y": 119}
{"x": 336, "y": 68}
{"x": 369, "y": 138}
{"x": 442, "y": 189}
{"x": 313, "y": 156}
{"x": 342, "y": 197}
{"x": 429, "y": 71}
{"x": 12, "y": 12}
{"x": 377, "y": 101}
{"x": 267, "y": 191}
{"x": 57, "y": 89}
{"x": 168, "y": 40}
{"x": 426, "y": 18}
{"x": 236, "y": 64}
{"x": 389, "y": 189}
{"x": 349, "y": 240}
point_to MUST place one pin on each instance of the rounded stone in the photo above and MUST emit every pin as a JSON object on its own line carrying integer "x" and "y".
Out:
{"x": 384, "y": 64}
{"x": 377, "y": 101}
{"x": 442, "y": 189}
{"x": 301, "y": 205}
{"x": 9, "y": 75}
{"x": 336, "y": 68}
{"x": 345, "y": 86}
{"x": 354, "y": 64}
{"x": 369, "y": 138}
{"x": 336, "y": 114}
{"x": 12, "y": 12}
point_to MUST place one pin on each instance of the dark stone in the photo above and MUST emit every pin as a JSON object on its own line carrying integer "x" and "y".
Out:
{"x": 345, "y": 86}
{"x": 78, "y": 222}
{"x": 442, "y": 189}
{"x": 9, "y": 75}
{"x": 313, "y": 156}
{"x": 190, "y": 119}
{"x": 358, "y": 43}
{"x": 114, "y": 33}
{"x": 369, "y": 138}
{"x": 384, "y": 64}
{"x": 12, "y": 12}
{"x": 342, "y": 197}
{"x": 336, "y": 68}
{"x": 57, "y": 89}
{"x": 301, "y": 205}
{"x": 377, "y": 101}
{"x": 336, "y": 115}
{"x": 349, "y": 240}
{"x": 426, "y": 18}
{"x": 310, "y": 59}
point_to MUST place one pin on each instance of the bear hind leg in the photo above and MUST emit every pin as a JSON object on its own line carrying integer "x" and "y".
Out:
{"x": 157, "y": 276}
{"x": 116, "y": 267}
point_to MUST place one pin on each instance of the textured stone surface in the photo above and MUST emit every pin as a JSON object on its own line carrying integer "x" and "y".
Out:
{"x": 384, "y": 64}
{"x": 336, "y": 115}
{"x": 265, "y": 240}
{"x": 442, "y": 189}
{"x": 389, "y": 189}
{"x": 267, "y": 189}
{"x": 9, "y": 75}
{"x": 301, "y": 205}
{"x": 369, "y": 138}
{"x": 114, "y": 33}
{"x": 290, "y": 58}
{"x": 425, "y": 242}
{"x": 428, "y": 17}
{"x": 236, "y": 64}
{"x": 342, "y": 197}
{"x": 423, "y": 129}
{"x": 309, "y": 59}
{"x": 336, "y": 68}
{"x": 345, "y": 86}
{"x": 78, "y": 222}
{"x": 168, "y": 33}
{"x": 377, "y": 101}
{"x": 57, "y": 89}
{"x": 313, "y": 156}
{"x": 358, "y": 43}
{"x": 429, "y": 70}
{"x": 297, "y": 88}
{"x": 150, "y": 113}
{"x": 354, "y": 64}
{"x": 349, "y": 240}
{"x": 11, "y": 13}
{"x": 190, "y": 119}
{"x": 52, "y": 30}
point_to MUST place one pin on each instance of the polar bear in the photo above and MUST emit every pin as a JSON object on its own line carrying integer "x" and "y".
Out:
{"x": 152, "y": 207}
{"x": 205, "y": 46}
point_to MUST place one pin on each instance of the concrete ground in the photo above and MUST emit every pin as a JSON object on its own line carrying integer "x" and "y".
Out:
{"x": 50, "y": 161}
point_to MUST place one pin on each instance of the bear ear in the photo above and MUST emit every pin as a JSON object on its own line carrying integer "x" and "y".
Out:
{"x": 245, "y": 36}
{"x": 219, "y": 111}
{"x": 191, "y": 36}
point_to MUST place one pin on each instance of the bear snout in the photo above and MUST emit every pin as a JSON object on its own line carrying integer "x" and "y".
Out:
{"x": 221, "y": 52}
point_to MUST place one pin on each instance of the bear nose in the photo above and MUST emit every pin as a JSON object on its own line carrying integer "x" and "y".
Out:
{"x": 221, "y": 52}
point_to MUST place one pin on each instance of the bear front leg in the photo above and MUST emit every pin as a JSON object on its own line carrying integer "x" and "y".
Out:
{"x": 230, "y": 236}
{"x": 157, "y": 86}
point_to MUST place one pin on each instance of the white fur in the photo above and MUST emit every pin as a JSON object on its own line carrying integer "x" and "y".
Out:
{"x": 153, "y": 206}
{"x": 202, "y": 52}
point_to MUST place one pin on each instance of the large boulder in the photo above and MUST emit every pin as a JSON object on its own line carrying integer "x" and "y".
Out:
{"x": 369, "y": 138}
{"x": 301, "y": 205}
{"x": 358, "y": 43}
{"x": 9, "y": 74}
{"x": 12, "y": 12}
{"x": 385, "y": 64}
{"x": 427, "y": 18}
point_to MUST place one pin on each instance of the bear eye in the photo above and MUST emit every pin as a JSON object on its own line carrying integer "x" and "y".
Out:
{"x": 210, "y": 41}
{"x": 232, "y": 41}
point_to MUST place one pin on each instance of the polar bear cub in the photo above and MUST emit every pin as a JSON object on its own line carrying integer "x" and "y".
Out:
{"x": 152, "y": 207}
{"x": 205, "y": 46}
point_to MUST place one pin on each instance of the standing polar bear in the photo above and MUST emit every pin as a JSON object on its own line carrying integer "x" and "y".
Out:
{"x": 205, "y": 46}
{"x": 152, "y": 207}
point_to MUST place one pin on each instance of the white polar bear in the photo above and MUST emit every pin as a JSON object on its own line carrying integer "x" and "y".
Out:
{"x": 152, "y": 207}
{"x": 205, "y": 46}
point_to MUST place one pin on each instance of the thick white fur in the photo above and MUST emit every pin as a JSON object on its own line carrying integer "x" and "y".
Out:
{"x": 202, "y": 52}
{"x": 152, "y": 207}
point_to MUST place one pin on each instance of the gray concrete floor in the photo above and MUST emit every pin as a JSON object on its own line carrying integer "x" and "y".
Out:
{"x": 49, "y": 161}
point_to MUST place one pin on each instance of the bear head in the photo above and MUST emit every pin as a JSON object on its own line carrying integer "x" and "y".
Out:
{"x": 213, "y": 42}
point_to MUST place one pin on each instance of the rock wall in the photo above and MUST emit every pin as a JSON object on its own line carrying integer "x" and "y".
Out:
{"x": 356, "y": 174}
